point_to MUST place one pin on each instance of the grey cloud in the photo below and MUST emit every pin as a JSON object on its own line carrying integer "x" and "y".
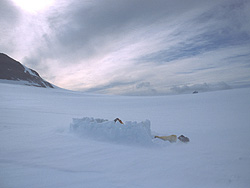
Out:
{"x": 200, "y": 87}
{"x": 146, "y": 89}
{"x": 9, "y": 19}
{"x": 219, "y": 27}
{"x": 116, "y": 85}
{"x": 126, "y": 88}
{"x": 143, "y": 85}
{"x": 87, "y": 29}
{"x": 35, "y": 61}
{"x": 9, "y": 13}
{"x": 91, "y": 27}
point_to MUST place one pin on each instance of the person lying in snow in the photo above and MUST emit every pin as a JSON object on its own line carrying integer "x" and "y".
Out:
{"x": 173, "y": 138}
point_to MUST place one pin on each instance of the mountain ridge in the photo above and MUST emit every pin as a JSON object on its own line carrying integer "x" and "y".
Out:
{"x": 10, "y": 69}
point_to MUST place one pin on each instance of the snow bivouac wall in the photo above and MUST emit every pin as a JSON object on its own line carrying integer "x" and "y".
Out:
{"x": 104, "y": 130}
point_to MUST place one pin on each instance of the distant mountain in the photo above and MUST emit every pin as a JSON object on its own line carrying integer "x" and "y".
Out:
{"x": 11, "y": 69}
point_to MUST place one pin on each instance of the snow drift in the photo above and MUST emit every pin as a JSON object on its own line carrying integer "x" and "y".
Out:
{"x": 102, "y": 129}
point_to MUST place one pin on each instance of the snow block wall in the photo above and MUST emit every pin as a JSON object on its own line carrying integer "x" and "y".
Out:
{"x": 104, "y": 130}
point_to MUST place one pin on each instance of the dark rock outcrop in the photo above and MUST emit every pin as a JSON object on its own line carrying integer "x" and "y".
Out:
{"x": 11, "y": 69}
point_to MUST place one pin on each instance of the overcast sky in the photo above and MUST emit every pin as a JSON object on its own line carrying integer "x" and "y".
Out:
{"x": 131, "y": 47}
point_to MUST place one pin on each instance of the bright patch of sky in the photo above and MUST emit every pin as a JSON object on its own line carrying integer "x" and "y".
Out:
{"x": 33, "y": 6}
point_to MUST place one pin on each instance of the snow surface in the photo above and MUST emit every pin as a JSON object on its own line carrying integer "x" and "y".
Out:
{"x": 38, "y": 147}
{"x": 20, "y": 82}
{"x": 27, "y": 83}
{"x": 26, "y": 69}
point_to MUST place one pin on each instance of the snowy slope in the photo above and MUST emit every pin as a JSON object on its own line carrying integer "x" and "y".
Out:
{"x": 38, "y": 149}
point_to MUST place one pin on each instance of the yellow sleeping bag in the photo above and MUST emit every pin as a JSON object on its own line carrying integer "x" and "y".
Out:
{"x": 171, "y": 138}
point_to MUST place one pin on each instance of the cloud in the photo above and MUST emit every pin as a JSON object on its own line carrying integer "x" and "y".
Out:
{"x": 134, "y": 46}
{"x": 86, "y": 29}
{"x": 143, "y": 85}
{"x": 9, "y": 19}
{"x": 183, "y": 89}
{"x": 211, "y": 30}
{"x": 126, "y": 88}
{"x": 9, "y": 13}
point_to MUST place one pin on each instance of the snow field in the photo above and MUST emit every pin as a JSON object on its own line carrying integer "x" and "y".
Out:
{"x": 38, "y": 149}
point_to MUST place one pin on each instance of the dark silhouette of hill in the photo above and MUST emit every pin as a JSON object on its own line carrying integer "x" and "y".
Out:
{"x": 11, "y": 69}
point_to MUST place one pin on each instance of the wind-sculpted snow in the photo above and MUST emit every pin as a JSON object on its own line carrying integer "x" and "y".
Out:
{"x": 104, "y": 130}
{"x": 38, "y": 150}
